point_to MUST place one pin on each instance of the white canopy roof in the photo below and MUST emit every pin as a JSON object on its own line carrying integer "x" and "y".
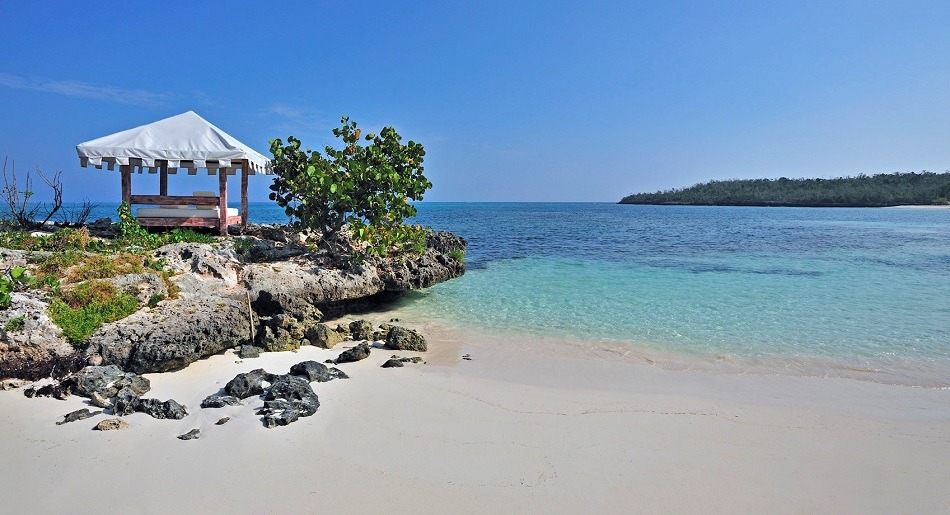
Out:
{"x": 186, "y": 140}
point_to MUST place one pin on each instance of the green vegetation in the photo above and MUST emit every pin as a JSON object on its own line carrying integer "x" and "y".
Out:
{"x": 14, "y": 324}
{"x": 366, "y": 186}
{"x": 81, "y": 310}
{"x": 8, "y": 283}
{"x": 925, "y": 188}
{"x": 458, "y": 255}
{"x": 75, "y": 265}
{"x": 135, "y": 236}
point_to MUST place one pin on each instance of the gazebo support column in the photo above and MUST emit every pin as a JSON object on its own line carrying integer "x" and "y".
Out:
{"x": 244, "y": 197}
{"x": 223, "y": 200}
{"x": 163, "y": 181}
{"x": 126, "y": 171}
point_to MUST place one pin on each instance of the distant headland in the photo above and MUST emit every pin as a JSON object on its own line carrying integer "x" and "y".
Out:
{"x": 881, "y": 190}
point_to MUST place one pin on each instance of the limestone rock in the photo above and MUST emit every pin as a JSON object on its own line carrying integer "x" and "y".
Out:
{"x": 396, "y": 361}
{"x": 400, "y": 338}
{"x": 111, "y": 424}
{"x": 361, "y": 330}
{"x": 54, "y": 390}
{"x": 190, "y": 435}
{"x": 97, "y": 400}
{"x": 318, "y": 372}
{"x": 12, "y": 384}
{"x": 175, "y": 333}
{"x": 249, "y": 351}
{"x": 126, "y": 402}
{"x": 155, "y": 408}
{"x": 288, "y": 398}
{"x": 393, "y": 363}
{"x": 432, "y": 267}
{"x": 145, "y": 285}
{"x": 212, "y": 261}
{"x": 106, "y": 381}
{"x": 357, "y": 353}
{"x": 321, "y": 335}
{"x": 38, "y": 350}
{"x": 280, "y": 332}
{"x": 81, "y": 414}
{"x": 246, "y": 384}
{"x": 220, "y": 401}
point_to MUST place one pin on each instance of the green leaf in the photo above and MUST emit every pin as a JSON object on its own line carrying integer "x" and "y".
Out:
{"x": 17, "y": 273}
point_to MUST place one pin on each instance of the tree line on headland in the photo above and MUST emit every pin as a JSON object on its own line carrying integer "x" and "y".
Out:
{"x": 924, "y": 188}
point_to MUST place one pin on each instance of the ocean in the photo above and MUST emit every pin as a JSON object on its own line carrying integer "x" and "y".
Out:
{"x": 859, "y": 293}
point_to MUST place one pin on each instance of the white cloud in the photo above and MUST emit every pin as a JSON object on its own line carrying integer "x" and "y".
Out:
{"x": 75, "y": 88}
{"x": 285, "y": 111}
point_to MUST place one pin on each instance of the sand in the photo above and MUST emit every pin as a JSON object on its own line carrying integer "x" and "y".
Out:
{"x": 508, "y": 431}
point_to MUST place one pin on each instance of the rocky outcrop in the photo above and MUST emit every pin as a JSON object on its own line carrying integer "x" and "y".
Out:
{"x": 434, "y": 266}
{"x": 145, "y": 286}
{"x": 275, "y": 302}
{"x": 37, "y": 350}
{"x": 400, "y": 338}
{"x": 174, "y": 334}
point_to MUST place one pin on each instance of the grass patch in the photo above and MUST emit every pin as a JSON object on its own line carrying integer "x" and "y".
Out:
{"x": 61, "y": 240}
{"x": 458, "y": 255}
{"x": 14, "y": 324}
{"x": 83, "y": 309}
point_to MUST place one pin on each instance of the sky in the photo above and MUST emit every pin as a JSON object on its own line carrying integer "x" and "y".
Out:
{"x": 513, "y": 101}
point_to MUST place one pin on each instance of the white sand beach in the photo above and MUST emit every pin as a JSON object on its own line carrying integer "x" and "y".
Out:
{"x": 506, "y": 432}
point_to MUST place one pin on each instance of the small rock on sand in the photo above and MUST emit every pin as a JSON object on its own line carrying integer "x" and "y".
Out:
{"x": 111, "y": 425}
{"x": 190, "y": 435}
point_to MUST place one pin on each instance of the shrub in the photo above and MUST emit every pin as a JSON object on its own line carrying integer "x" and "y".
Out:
{"x": 368, "y": 186}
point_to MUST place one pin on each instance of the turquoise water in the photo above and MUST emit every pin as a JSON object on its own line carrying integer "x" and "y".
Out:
{"x": 843, "y": 292}
{"x": 851, "y": 292}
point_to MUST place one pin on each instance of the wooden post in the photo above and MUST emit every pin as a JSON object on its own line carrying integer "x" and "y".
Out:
{"x": 126, "y": 171}
{"x": 244, "y": 195}
{"x": 163, "y": 181}
{"x": 223, "y": 199}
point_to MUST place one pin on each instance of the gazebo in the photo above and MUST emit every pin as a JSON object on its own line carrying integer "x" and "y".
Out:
{"x": 186, "y": 141}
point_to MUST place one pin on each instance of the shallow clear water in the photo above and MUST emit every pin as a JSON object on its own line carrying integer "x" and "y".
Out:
{"x": 817, "y": 291}
{"x": 852, "y": 292}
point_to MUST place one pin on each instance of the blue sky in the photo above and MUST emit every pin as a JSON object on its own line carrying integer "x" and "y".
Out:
{"x": 514, "y": 101}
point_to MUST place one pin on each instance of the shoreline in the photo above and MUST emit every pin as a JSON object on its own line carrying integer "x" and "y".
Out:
{"x": 508, "y": 430}
{"x": 906, "y": 374}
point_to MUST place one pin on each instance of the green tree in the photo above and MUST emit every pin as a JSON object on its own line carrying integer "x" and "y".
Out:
{"x": 368, "y": 186}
